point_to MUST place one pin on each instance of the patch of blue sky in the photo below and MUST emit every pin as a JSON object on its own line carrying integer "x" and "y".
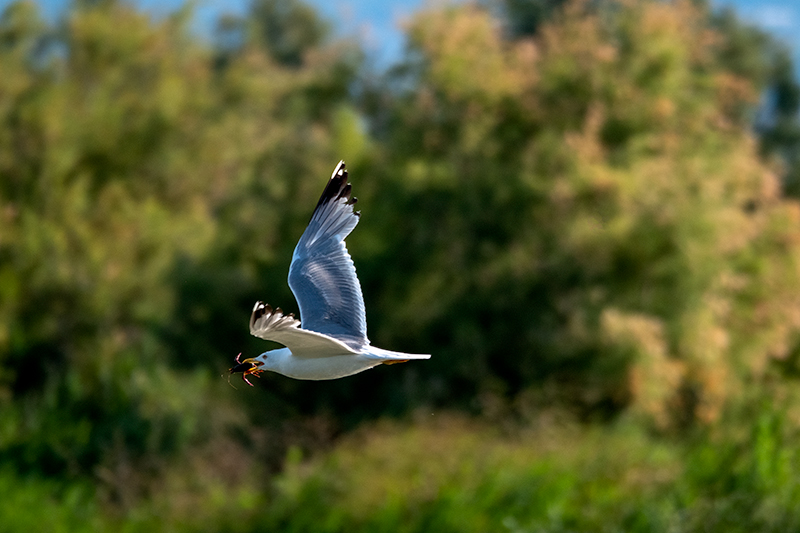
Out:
{"x": 378, "y": 24}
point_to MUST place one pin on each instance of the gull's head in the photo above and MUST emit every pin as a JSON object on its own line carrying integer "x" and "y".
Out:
{"x": 248, "y": 367}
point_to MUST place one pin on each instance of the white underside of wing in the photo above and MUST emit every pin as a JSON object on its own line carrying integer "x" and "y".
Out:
{"x": 271, "y": 324}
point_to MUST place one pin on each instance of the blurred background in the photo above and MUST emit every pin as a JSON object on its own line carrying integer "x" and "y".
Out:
{"x": 586, "y": 210}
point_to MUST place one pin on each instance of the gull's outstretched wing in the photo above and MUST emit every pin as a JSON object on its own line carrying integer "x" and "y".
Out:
{"x": 273, "y": 325}
{"x": 322, "y": 276}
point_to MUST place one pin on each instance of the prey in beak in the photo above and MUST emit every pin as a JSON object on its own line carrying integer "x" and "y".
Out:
{"x": 248, "y": 367}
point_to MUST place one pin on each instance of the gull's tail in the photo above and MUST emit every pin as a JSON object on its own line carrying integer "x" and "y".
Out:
{"x": 389, "y": 357}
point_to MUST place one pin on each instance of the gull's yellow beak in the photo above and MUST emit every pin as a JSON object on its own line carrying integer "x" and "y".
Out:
{"x": 248, "y": 367}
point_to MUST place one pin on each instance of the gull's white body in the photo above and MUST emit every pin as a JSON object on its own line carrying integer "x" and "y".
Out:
{"x": 332, "y": 342}
{"x": 284, "y": 362}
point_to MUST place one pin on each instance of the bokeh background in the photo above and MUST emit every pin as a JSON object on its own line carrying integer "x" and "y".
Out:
{"x": 587, "y": 211}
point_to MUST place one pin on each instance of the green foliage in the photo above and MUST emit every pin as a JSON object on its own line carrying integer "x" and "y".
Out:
{"x": 35, "y": 504}
{"x": 287, "y": 28}
{"x": 617, "y": 229}
{"x": 525, "y": 17}
{"x": 452, "y": 475}
{"x": 136, "y": 179}
{"x": 750, "y": 52}
{"x": 567, "y": 207}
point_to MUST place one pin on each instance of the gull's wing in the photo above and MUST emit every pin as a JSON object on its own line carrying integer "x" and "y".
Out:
{"x": 322, "y": 276}
{"x": 273, "y": 325}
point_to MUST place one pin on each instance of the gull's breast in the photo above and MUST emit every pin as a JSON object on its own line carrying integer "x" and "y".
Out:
{"x": 331, "y": 367}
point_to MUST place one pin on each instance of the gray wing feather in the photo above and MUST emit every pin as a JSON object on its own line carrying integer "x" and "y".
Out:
{"x": 322, "y": 275}
{"x": 272, "y": 325}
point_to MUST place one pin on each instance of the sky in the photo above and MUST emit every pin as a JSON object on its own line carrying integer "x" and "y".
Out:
{"x": 779, "y": 17}
{"x": 377, "y": 23}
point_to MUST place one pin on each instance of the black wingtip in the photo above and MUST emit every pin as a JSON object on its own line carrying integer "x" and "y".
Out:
{"x": 337, "y": 187}
{"x": 259, "y": 310}
{"x": 345, "y": 192}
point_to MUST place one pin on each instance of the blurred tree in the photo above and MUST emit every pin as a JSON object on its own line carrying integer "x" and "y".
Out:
{"x": 525, "y": 17}
{"x": 616, "y": 230}
{"x": 746, "y": 50}
{"x": 288, "y": 29}
{"x": 778, "y": 125}
{"x": 144, "y": 192}
{"x": 753, "y": 54}
{"x": 573, "y": 212}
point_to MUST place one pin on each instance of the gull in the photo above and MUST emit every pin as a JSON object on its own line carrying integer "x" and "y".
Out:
{"x": 330, "y": 339}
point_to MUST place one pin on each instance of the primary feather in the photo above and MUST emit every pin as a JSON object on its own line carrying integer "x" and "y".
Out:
{"x": 322, "y": 275}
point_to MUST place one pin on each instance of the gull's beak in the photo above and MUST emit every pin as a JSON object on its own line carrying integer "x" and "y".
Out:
{"x": 243, "y": 366}
{"x": 248, "y": 367}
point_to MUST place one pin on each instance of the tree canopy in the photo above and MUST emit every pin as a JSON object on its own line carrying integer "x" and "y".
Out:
{"x": 576, "y": 206}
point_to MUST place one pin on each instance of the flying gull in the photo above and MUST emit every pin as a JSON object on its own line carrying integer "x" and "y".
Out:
{"x": 330, "y": 339}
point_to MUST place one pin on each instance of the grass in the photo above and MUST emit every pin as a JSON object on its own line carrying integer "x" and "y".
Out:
{"x": 449, "y": 473}
{"x": 459, "y": 475}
